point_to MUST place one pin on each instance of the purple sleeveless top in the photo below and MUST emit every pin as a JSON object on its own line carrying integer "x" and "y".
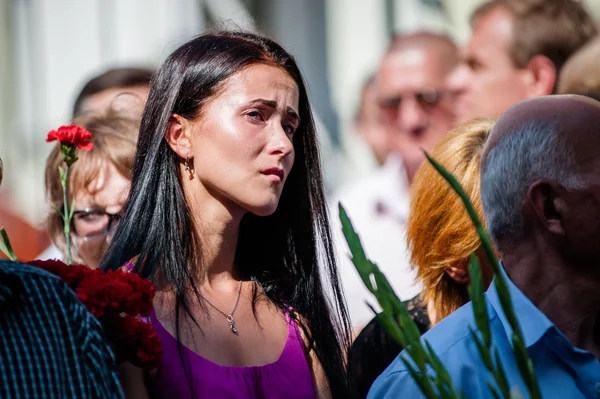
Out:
{"x": 288, "y": 377}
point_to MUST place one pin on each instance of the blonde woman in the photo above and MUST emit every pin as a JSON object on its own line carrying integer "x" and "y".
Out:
{"x": 440, "y": 234}
{"x": 441, "y": 238}
{"x": 98, "y": 182}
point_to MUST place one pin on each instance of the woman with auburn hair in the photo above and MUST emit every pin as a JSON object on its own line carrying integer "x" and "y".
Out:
{"x": 440, "y": 233}
{"x": 441, "y": 237}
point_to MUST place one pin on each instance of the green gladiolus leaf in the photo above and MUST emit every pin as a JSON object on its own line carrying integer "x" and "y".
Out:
{"x": 500, "y": 375}
{"x": 5, "y": 245}
{"x": 494, "y": 392}
{"x": 484, "y": 351}
{"x": 499, "y": 281}
{"x": 422, "y": 379}
{"x": 478, "y": 300}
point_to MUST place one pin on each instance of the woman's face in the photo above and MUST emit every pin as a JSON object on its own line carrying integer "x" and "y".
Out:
{"x": 96, "y": 207}
{"x": 241, "y": 142}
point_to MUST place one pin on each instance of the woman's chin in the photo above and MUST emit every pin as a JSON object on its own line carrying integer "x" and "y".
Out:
{"x": 265, "y": 209}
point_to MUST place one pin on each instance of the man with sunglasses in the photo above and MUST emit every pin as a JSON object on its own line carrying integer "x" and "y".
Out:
{"x": 415, "y": 111}
{"x": 415, "y": 105}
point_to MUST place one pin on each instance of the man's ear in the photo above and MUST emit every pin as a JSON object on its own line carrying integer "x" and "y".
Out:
{"x": 178, "y": 135}
{"x": 541, "y": 77}
{"x": 545, "y": 199}
{"x": 458, "y": 274}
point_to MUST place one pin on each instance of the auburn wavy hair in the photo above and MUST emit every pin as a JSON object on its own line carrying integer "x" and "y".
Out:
{"x": 440, "y": 233}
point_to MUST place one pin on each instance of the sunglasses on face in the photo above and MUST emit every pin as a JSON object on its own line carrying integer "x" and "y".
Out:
{"x": 428, "y": 98}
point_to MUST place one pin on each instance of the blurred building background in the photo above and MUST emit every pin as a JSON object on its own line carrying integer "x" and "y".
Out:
{"x": 49, "y": 48}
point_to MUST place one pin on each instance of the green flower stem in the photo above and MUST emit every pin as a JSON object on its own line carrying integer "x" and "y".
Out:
{"x": 398, "y": 323}
{"x": 6, "y": 247}
{"x": 67, "y": 215}
{"x": 424, "y": 365}
{"x": 483, "y": 338}
{"x": 522, "y": 357}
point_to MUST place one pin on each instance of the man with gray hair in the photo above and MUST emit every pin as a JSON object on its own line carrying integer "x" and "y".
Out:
{"x": 540, "y": 190}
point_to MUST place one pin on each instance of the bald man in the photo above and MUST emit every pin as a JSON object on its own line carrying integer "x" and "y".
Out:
{"x": 540, "y": 189}
{"x": 417, "y": 109}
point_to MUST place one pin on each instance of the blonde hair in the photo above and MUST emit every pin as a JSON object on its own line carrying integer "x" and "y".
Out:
{"x": 440, "y": 233}
{"x": 115, "y": 139}
{"x": 581, "y": 73}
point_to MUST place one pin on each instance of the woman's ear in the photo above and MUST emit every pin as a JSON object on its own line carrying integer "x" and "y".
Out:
{"x": 458, "y": 274}
{"x": 178, "y": 135}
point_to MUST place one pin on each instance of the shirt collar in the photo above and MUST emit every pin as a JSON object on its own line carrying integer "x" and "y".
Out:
{"x": 534, "y": 323}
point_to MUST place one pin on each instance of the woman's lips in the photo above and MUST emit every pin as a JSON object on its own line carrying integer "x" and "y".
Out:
{"x": 275, "y": 174}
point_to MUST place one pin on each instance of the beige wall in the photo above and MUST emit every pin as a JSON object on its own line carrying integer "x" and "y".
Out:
{"x": 594, "y": 7}
{"x": 46, "y": 64}
{"x": 6, "y": 109}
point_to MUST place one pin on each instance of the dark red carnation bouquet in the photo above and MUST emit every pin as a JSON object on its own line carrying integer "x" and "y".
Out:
{"x": 120, "y": 300}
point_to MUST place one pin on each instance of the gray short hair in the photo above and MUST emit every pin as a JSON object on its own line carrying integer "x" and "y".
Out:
{"x": 536, "y": 151}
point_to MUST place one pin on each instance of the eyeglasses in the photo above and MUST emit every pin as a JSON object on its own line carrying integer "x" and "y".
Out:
{"x": 427, "y": 98}
{"x": 92, "y": 224}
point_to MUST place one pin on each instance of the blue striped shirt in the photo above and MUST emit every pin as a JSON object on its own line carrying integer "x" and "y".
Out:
{"x": 50, "y": 345}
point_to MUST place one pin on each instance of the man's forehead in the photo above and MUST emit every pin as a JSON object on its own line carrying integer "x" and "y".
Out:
{"x": 491, "y": 31}
{"x": 410, "y": 69}
{"x": 406, "y": 58}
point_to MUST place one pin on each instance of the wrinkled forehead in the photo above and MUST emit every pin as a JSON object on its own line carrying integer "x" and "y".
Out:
{"x": 576, "y": 118}
{"x": 411, "y": 68}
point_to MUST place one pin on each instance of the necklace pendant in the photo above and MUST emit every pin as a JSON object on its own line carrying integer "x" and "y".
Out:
{"x": 232, "y": 324}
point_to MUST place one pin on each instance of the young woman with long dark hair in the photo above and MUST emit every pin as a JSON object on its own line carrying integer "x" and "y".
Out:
{"x": 227, "y": 217}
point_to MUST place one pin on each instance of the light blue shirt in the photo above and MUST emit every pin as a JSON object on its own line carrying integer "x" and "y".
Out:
{"x": 563, "y": 371}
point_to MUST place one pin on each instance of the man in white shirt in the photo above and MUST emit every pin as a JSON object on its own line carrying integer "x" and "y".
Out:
{"x": 416, "y": 111}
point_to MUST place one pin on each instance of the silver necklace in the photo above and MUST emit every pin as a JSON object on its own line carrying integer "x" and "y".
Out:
{"x": 229, "y": 316}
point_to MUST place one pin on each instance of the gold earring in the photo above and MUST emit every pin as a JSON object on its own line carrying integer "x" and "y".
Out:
{"x": 187, "y": 167}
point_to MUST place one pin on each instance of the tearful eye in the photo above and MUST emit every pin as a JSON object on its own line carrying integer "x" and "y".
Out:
{"x": 289, "y": 129}
{"x": 256, "y": 115}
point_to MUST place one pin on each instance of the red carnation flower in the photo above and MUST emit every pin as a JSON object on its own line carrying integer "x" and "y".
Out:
{"x": 117, "y": 299}
{"x": 136, "y": 342}
{"x": 140, "y": 300}
{"x": 72, "y": 275}
{"x": 72, "y": 135}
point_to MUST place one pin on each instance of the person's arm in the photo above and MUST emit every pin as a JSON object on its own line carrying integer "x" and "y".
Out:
{"x": 322, "y": 389}
{"x": 319, "y": 377}
{"x": 132, "y": 381}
